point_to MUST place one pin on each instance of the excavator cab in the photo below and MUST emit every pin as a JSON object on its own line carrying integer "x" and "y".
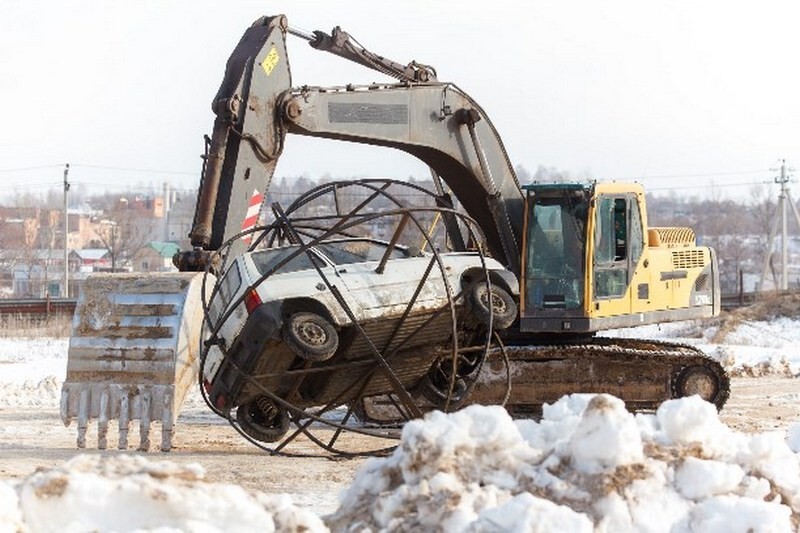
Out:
{"x": 553, "y": 263}
{"x": 590, "y": 262}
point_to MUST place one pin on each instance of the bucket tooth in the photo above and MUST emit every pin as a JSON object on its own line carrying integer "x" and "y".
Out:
{"x": 102, "y": 422}
{"x": 144, "y": 422}
{"x": 166, "y": 424}
{"x": 133, "y": 354}
{"x": 124, "y": 423}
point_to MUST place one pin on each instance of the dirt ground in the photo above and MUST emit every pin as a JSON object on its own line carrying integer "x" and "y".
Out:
{"x": 31, "y": 439}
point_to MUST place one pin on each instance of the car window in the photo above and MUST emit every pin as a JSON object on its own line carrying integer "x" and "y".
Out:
{"x": 227, "y": 288}
{"x": 266, "y": 260}
{"x": 358, "y": 251}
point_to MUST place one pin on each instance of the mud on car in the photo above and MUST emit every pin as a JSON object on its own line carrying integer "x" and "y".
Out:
{"x": 305, "y": 326}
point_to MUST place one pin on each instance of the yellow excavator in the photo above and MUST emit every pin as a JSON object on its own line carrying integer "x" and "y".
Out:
{"x": 584, "y": 255}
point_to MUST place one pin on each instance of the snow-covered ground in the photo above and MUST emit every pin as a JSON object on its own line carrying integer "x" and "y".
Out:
{"x": 750, "y": 348}
{"x": 587, "y": 465}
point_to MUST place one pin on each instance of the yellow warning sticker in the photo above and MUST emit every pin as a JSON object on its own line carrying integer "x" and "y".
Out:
{"x": 271, "y": 61}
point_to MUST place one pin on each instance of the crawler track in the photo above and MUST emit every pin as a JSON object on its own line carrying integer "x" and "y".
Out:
{"x": 644, "y": 373}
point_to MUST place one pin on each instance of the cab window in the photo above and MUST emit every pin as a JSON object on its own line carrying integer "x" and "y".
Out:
{"x": 610, "y": 231}
{"x": 556, "y": 243}
{"x": 636, "y": 234}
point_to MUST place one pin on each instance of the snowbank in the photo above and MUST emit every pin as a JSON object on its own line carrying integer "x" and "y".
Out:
{"x": 750, "y": 348}
{"x": 588, "y": 465}
{"x": 31, "y": 371}
{"x": 128, "y": 493}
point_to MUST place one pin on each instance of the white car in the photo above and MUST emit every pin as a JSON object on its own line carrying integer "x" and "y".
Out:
{"x": 305, "y": 325}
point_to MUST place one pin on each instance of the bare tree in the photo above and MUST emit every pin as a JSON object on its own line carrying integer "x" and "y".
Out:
{"x": 20, "y": 246}
{"x": 123, "y": 233}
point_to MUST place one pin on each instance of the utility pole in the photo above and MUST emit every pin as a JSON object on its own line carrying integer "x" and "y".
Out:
{"x": 784, "y": 198}
{"x": 66, "y": 232}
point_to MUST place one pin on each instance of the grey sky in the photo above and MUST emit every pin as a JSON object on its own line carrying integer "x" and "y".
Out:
{"x": 676, "y": 94}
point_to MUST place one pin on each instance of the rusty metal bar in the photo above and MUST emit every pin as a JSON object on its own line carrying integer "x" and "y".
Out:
{"x": 392, "y": 243}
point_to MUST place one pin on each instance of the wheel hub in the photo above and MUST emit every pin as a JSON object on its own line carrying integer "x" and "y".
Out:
{"x": 312, "y": 333}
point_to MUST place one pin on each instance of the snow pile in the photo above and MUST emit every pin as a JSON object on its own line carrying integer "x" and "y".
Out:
{"x": 762, "y": 348}
{"x": 31, "y": 371}
{"x": 748, "y": 348}
{"x": 588, "y": 464}
{"x": 128, "y": 493}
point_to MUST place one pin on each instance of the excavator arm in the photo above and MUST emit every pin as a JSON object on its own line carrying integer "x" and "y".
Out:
{"x": 438, "y": 124}
{"x": 435, "y": 122}
{"x": 247, "y": 139}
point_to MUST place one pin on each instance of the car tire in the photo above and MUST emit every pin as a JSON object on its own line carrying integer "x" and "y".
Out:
{"x": 310, "y": 336}
{"x": 503, "y": 305}
{"x": 438, "y": 394}
{"x": 262, "y": 420}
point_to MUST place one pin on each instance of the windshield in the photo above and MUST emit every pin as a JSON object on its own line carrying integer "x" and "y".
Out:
{"x": 338, "y": 252}
{"x": 267, "y": 260}
{"x": 359, "y": 251}
{"x": 556, "y": 248}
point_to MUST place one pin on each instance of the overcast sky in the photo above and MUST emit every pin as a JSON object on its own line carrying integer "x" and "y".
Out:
{"x": 678, "y": 94}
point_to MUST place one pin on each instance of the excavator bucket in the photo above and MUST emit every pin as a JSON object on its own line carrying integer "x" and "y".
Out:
{"x": 133, "y": 353}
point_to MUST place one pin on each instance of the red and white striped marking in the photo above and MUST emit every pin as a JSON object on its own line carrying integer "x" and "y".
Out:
{"x": 251, "y": 217}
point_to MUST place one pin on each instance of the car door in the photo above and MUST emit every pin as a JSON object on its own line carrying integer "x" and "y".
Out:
{"x": 292, "y": 275}
{"x": 386, "y": 291}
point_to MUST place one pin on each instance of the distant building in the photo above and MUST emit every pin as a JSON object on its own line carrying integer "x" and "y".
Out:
{"x": 89, "y": 260}
{"x": 155, "y": 257}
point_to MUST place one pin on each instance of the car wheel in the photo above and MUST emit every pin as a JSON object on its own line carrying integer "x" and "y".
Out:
{"x": 262, "y": 420}
{"x": 502, "y": 304}
{"x": 310, "y": 336}
{"x": 439, "y": 393}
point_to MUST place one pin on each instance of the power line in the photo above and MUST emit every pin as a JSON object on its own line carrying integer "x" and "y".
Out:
{"x": 145, "y": 170}
{"x": 141, "y": 186}
{"x": 30, "y": 186}
{"x": 26, "y": 169}
{"x": 706, "y": 186}
{"x": 701, "y": 175}
{"x": 195, "y": 173}
{"x": 154, "y": 187}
